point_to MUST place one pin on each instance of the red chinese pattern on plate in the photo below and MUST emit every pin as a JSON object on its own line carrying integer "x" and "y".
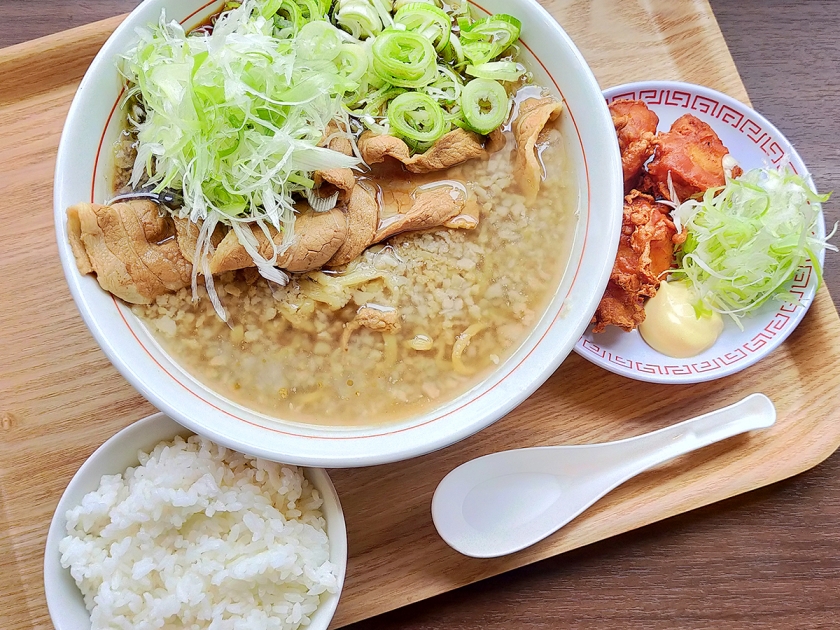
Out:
{"x": 760, "y": 141}
{"x": 714, "y": 108}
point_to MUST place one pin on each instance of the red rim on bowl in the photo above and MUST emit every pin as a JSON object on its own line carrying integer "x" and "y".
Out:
{"x": 144, "y": 364}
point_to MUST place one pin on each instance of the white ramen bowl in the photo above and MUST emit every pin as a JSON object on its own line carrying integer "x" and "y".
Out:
{"x": 755, "y": 143}
{"x": 82, "y": 172}
{"x": 64, "y": 599}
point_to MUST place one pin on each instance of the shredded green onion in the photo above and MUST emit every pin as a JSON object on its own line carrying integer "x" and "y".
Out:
{"x": 484, "y": 104}
{"x": 417, "y": 119}
{"x": 233, "y": 119}
{"x": 745, "y": 240}
{"x": 446, "y": 88}
{"x": 234, "y": 115}
{"x": 509, "y": 71}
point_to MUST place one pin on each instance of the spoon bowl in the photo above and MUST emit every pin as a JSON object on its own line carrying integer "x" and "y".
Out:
{"x": 504, "y": 502}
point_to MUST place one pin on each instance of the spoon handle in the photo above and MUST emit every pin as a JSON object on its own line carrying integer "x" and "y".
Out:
{"x": 753, "y": 412}
{"x": 504, "y": 502}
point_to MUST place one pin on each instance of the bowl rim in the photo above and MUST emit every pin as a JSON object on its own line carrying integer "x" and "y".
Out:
{"x": 55, "y": 583}
{"x": 371, "y": 445}
{"x": 592, "y": 351}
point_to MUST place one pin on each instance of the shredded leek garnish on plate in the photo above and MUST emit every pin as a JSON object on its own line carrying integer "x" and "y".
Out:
{"x": 745, "y": 240}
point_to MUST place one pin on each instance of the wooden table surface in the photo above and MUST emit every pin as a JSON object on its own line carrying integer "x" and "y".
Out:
{"x": 767, "y": 559}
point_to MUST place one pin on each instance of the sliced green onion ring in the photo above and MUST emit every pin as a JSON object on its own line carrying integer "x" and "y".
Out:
{"x": 311, "y": 10}
{"x": 354, "y": 98}
{"x": 454, "y": 52}
{"x": 318, "y": 40}
{"x": 458, "y": 9}
{"x": 375, "y": 101}
{"x": 484, "y": 104}
{"x": 480, "y": 52}
{"x": 417, "y": 119}
{"x": 358, "y": 17}
{"x": 399, "y": 4}
{"x": 352, "y": 61}
{"x": 446, "y": 88}
{"x": 509, "y": 71}
{"x": 486, "y": 39}
{"x": 426, "y": 20}
{"x": 289, "y": 16}
{"x": 454, "y": 117}
{"x": 384, "y": 8}
{"x": 501, "y": 28}
{"x": 404, "y": 59}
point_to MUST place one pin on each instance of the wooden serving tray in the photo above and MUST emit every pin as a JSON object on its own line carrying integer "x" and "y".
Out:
{"x": 60, "y": 397}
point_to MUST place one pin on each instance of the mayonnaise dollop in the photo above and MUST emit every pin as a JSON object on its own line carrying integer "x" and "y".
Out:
{"x": 671, "y": 325}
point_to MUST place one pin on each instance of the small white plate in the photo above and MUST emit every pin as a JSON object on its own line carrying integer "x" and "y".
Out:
{"x": 753, "y": 142}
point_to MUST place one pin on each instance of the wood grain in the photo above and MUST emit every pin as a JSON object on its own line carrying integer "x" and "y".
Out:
{"x": 49, "y": 363}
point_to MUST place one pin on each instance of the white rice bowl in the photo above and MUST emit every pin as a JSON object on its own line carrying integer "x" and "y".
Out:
{"x": 198, "y": 536}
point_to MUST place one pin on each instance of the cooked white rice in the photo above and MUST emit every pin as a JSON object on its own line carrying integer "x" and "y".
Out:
{"x": 199, "y": 536}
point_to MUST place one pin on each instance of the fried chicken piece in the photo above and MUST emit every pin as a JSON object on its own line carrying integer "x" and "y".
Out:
{"x": 619, "y": 308}
{"x": 646, "y": 247}
{"x": 693, "y": 154}
{"x": 635, "y": 125}
{"x": 645, "y": 250}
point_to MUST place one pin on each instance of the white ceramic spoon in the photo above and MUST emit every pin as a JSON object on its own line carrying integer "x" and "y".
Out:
{"x": 501, "y": 503}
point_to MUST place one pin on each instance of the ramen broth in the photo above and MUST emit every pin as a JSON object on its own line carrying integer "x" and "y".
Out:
{"x": 465, "y": 298}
